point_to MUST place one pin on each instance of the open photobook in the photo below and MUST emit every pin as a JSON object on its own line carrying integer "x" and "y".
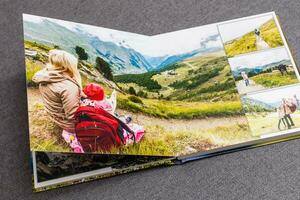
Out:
{"x": 111, "y": 101}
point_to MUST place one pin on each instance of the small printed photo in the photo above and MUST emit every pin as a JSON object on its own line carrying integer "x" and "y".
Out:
{"x": 273, "y": 111}
{"x": 251, "y": 34}
{"x": 262, "y": 70}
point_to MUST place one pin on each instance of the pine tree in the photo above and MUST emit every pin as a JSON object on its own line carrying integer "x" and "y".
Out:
{"x": 103, "y": 67}
{"x": 82, "y": 55}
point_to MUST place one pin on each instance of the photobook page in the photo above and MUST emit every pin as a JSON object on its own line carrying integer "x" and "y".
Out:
{"x": 97, "y": 90}
{"x": 54, "y": 170}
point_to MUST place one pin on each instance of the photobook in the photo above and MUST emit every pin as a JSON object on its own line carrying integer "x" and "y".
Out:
{"x": 186, "y": 94}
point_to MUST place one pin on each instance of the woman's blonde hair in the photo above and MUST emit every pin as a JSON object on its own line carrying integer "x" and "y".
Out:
{"x": 66, "y": 62}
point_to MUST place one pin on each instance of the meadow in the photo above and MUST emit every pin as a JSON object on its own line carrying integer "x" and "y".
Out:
{"x": 247, "y": 43}
{"x": 275, "y": 79}
{"x": 187, "y": 107}
{"x": 262, "y": 123}
{"x": 163, "y": 136}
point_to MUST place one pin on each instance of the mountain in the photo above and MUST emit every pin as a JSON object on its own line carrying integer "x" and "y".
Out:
{"x": 155, "y": 61}
{"x": 122, "y": 58}
{"x": 251, "y": 101}
{"x": 259, "y": 69}
{"x": 177, "y": 58}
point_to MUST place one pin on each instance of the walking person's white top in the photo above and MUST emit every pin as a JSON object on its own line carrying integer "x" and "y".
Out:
{"x": 260, "y": 43}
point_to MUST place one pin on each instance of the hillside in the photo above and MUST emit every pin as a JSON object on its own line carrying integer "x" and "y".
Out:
{"x": 202, "y": 78}
{"x": 173, "y": 126}
{"x": 39, "y": 60}
{"x": 247, "y": 43}
{"x": 122, "y": 59}
{"x": 270, "y": 34}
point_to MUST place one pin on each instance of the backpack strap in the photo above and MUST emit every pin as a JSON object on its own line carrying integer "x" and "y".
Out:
{"x": 125, "y": 127}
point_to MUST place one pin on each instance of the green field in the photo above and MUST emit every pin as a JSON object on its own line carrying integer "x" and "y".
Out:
{"x": 163, "y": 137}
{"x": 247, "y": 42}
{"x": 275, "y": 79}
{"x": 187, "y": 107}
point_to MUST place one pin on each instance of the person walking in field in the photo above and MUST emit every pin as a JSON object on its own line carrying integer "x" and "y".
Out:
{"x": 245, "y": 78}
{"x": 257, "y": 32}
{"x": 60, "y": 87}
{"x": 260, "y": 43}
{"x": 286, "y": 108}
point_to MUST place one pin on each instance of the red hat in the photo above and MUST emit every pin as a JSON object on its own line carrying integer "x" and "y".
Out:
{"x": 94, "y": 91}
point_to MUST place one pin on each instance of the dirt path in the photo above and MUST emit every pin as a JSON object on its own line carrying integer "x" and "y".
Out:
{"x": 190, "y": 65}
{"x": 184, "y": 124}
{"x": 261, "y": 44}
{"x": 243, "y": 89}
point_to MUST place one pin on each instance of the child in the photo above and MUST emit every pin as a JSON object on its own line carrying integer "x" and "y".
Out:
{"x": 95, "y": 97}
{"x": 245, "y": 78}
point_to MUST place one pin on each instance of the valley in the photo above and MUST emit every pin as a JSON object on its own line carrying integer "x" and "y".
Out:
{"x": 186, "y": 102}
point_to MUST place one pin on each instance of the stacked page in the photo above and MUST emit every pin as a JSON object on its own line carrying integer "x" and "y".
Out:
{"x": 103, "y": 102}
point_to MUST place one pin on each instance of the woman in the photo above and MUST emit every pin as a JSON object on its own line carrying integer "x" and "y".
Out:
{"x": 60, "y": 87}
{"x": 287, "y": 111}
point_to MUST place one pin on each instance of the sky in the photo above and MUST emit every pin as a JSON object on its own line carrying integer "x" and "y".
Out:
{"x": 233, "y": 30}
{"x": 159, "y": 45}
{"x": 276, "y": 95}
{"x": 259, "y": 58}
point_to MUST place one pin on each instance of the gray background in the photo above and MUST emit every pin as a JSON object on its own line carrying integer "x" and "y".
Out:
{"x": 271, "y": 172}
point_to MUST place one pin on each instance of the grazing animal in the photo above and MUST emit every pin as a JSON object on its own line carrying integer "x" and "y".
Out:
{"x": 283, "y": 69}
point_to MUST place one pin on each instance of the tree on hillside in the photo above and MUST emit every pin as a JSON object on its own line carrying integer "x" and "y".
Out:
{"x": 103, "y": 67}
{"x": 82, "y": 55}
{"x": 131, "y": 90}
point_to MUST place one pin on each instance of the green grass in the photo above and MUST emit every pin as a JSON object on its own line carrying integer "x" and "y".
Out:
{"x": 140, "y": 79}
{"x": 180, "y": 110}
{"x": 246, "y": 43}
{"x": 45, "y": 135}
{"x": 161, "y": 141}
{"x": 31, "y": 68}
{"x": 270, "y": 34}
{"x": 275, "y": 79}
{"x": 37, "y": 46}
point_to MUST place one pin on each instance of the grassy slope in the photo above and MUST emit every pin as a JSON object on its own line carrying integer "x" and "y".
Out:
{"x": 220, "y": 87}
{"x": 241, "y": 45}
{"x": 179, "y": 109}
{"x": 275, "y": 79}
{"x": 246, "y": 43}
{"x": 45, "y": 135}
{"x": 213, "y": 98}
{"x": 270, "y": 34}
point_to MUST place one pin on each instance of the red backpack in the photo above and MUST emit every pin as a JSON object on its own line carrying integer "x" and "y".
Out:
{"x": 292, "y": 107}
{"x": 98, "y": 130}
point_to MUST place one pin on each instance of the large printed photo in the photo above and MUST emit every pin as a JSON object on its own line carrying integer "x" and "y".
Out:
{"x": 97, "y": 90}
{"x": 92, "y": 89}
